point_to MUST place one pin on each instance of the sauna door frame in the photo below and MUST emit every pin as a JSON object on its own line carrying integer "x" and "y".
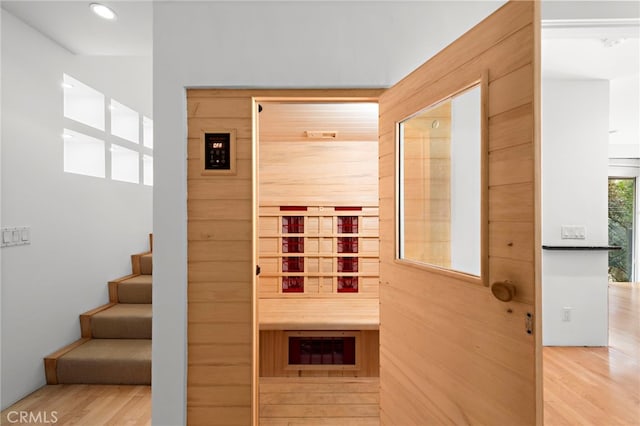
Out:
{"x": 293, "y": 96}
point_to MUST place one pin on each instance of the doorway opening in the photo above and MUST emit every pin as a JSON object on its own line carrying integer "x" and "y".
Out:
{"x": 622, "y": 194}
{"x": 317, "y": 247}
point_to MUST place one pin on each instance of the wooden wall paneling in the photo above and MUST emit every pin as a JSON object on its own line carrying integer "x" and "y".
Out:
{"x": 221, "y": 261}
{"x": 220, "y": 251}
{"x": 282, "y": 121}
{"x": 450, "y": 352}
{"x": 213, "y": 108}
{"x": 319, "y": 173}
{"x": 511, "y": 128}
{"x": 298, "y": 169}
{"x": 511, "y": 165}
{"x": 274, "y": 356}
{"x": 320, "y": 252}
{"x": 218, "y": 415}
{"x": 321, "y": 401}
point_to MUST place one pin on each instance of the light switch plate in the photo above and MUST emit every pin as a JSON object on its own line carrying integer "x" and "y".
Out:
{"x": 573, "y": 232}
{"x": 16, "y": 236}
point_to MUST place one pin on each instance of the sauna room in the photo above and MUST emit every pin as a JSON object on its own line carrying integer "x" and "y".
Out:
{"x": 318, "y": 241}
{"x": 285, "y": 243}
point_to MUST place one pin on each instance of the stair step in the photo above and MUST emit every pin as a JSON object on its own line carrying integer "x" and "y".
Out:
{"x": 137, "y": 289}
{"x": 122, "y": 321}
{"x": 146, "y": 264}
{"x": 107, "y": 361}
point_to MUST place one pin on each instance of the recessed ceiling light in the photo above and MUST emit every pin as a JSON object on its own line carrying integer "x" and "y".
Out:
{"x": 103, "y": 11}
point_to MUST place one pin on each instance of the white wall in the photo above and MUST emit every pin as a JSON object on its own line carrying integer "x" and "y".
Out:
{"x": 83, "y": 229}
{"x": 575, "y": 123}
{"x": 262, "y": 44}
{"x": 624, "y": 117}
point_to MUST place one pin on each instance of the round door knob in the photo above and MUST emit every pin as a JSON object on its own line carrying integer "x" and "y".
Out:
{"x": 503, "y": 290}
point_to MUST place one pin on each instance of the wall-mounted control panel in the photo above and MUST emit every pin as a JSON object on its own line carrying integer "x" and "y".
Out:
{"x": 218, "y": 151}
{"x": 16, "y": 236}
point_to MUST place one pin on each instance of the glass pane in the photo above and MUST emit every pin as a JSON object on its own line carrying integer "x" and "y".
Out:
{"x": 124, "y": 164}
{"x": 82, "y": 103}
{"x": 83, "y": 154}
{"x": 621, "y": 213}
{"x": 440, "y": 184}
{"x": 124, "y": 122}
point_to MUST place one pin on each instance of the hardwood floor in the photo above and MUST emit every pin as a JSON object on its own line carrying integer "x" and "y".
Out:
{"x": 84, "y": 405}
{"x": 598, "y": 386}
{"x": 582, "y": 386}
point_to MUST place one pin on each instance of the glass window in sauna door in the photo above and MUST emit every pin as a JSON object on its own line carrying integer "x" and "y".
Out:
{"x": 440, "y": 184}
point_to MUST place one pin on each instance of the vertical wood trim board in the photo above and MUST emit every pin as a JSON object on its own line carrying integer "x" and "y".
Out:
{"x": 450, "y": 352}
{"x": 220, "y": 256}
{"x": 537, "y": 165}
{"x": 221, "y": 359}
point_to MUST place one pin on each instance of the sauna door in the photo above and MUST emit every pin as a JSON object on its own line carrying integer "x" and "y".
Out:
{"x": 452, "y": 352}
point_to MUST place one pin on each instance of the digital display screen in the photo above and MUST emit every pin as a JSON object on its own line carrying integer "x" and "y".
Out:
{"x": 217, "y": 151}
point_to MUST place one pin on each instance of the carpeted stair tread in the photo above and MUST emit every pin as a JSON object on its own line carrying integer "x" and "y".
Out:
{"x": 122, "y": 321}
{"x": 107, "y": 361}
{"x": 137, "y": 289}
{"x": 146, "y": 264}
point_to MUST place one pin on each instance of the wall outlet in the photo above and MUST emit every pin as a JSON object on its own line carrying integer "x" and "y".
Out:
{"x": 566, "y": 314}
{"x": 573, "y": 232}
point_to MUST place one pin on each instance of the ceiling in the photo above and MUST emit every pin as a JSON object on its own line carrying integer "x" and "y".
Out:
{"x": 571, "y": 49}
{"x": 74, "y": 26}
{"x": 602, "y": 50}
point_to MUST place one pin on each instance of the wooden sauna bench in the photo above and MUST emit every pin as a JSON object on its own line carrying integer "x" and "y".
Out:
{"x": 319, "y": 314}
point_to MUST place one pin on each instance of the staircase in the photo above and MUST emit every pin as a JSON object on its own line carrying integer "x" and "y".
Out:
{"x": 115, "y": 347}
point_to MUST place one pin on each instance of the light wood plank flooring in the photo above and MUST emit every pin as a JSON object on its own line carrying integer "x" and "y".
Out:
{"x": 583, "y": 386}
{"x": 598, "y": 386}
{"x": 90, "y": 405}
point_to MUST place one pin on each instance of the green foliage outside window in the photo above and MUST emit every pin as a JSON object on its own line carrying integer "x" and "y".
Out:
{"x": 621, "y": 212}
